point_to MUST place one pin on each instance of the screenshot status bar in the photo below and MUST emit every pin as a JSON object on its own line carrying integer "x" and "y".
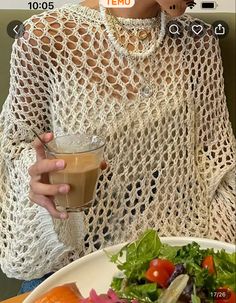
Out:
{"x": 227, "y": 6}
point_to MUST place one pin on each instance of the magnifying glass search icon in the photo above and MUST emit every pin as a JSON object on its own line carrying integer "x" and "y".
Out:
{"x": 174, "y": 29}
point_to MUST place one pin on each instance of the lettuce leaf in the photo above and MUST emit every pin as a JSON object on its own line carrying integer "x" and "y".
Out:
{"x": 226, "y": 269}
{"x": 145, "y": 292}
{"x": 138, "y": 255}
{"x": 168, "y": 252}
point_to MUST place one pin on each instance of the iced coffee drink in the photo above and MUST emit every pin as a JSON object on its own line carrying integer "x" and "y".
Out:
{"x": 83, "y": 155}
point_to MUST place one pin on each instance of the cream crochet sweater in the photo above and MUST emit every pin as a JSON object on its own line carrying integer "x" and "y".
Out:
{"x": 171, "y": 155}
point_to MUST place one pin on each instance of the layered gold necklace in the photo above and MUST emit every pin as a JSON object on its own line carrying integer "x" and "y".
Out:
{"x": 141, "y": 36}
{"x": 111, "y": 24}
{"x": 111, "y": 29}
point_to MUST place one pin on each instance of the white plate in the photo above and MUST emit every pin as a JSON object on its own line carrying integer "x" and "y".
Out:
{"x": 96, "y": 271}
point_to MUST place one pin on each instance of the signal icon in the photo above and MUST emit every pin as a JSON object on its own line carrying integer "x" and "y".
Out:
{"x": 191, "y": 4}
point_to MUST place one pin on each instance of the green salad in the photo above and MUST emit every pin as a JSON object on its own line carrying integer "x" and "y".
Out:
{"x": 151, "y": 271}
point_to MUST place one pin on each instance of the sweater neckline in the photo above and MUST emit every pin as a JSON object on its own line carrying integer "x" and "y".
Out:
{"x": 95, "y": 15}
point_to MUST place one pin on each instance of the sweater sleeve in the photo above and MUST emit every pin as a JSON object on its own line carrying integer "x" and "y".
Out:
{"x": 216, "y": 147}
{"x": 28, "y": 233}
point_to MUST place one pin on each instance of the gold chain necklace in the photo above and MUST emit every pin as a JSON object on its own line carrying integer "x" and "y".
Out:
{"x": 142, "y": 35}
{"x": 147, "y": 88}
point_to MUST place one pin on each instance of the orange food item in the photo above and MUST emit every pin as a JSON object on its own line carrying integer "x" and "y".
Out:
{"x": 67, "y": 293}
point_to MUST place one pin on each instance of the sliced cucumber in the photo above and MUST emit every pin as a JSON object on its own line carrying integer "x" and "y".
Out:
{"x": 173, "y": 292}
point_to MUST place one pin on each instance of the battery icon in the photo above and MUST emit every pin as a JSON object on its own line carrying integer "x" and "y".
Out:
{"x": 209, "y": 5}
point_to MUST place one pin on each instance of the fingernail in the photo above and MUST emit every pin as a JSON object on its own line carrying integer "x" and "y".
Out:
{"x": 63, "y": 216}
{"x": 60, "y": 164}
{"x": 48, "y": 136}
{"x": 63, "y": 189}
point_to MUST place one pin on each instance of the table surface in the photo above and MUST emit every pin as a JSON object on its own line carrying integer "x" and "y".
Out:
{"x": 18, "y": 299}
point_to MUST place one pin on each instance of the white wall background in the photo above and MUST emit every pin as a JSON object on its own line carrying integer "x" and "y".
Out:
{"x": 223, "y": 5}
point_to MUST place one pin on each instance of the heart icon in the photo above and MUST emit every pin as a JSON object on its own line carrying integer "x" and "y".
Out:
{"x": 197, "y": 29}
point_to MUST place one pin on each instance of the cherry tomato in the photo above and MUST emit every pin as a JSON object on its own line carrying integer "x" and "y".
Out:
{"x": 224, "y": 290}
{"x": 161, "y": 264}
{"x": 208, "y": 263}
{"x": 160, "y": 277}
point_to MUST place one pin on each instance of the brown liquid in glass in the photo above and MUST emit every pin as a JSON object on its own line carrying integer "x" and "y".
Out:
{"x": 82, "y": 183}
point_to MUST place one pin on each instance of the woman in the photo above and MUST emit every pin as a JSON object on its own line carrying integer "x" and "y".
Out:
{"x": 160, "y": 102}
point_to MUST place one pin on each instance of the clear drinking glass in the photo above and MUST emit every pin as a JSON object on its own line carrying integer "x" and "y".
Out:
{"x": 83, "y": 155}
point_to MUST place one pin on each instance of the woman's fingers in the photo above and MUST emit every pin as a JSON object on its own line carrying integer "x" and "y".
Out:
{"x": 47, "y": 202}
{"x": 41, "y": 192}
{"x": 46, "y": 166}
{"x": 39, "y": 188}
{"x": 103, "y": 165}
{"x": 38, "y": 146}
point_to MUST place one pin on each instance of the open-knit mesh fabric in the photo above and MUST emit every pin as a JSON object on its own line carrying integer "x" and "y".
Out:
{"x": 171, "y": 155}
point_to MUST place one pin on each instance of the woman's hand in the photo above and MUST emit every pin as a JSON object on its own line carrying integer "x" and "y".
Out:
{"x": 41, "y": 191}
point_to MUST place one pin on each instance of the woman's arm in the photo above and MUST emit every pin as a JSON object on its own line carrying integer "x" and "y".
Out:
{"x": 223, "y": 209}
{"x": 215, "y": 143}
{"x": 28, "y": 238}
